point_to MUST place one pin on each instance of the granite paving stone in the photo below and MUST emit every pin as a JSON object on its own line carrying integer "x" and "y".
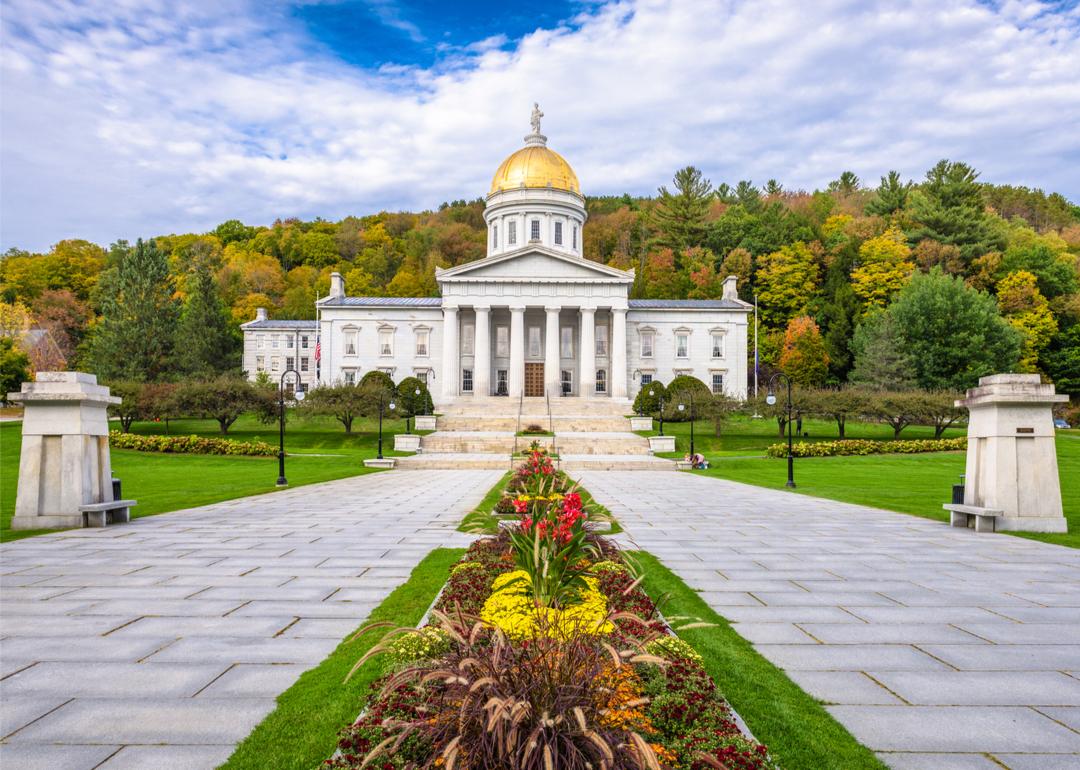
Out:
{"x": 168, "y": 642}
{"x": 939, "y": 648}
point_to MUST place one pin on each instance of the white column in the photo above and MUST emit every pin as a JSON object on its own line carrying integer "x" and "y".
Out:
{"x": 450, "y": 355}
{"x": 517, "y": 351}
{"x": 618, "y": 352}
{"x": 482, "y": 352}
{"x": 588, "y": 352}
{"x": 552, "y": 378}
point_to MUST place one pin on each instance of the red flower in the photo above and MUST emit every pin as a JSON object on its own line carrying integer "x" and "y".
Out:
{"x": 520, "y": 505}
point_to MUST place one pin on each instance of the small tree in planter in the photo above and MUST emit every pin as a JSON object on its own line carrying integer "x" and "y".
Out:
{"x": 409, "y": 403}
{"x": 646, "y": 403}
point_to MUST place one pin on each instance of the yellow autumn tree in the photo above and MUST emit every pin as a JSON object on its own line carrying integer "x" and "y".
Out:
{"x": 787, "y": 280}
{"x": 884, "y": 267}
{"x": 1026, "y": 309}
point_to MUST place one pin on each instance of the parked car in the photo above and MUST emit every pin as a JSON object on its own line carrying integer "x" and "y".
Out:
{"x": 1060, "y": 423}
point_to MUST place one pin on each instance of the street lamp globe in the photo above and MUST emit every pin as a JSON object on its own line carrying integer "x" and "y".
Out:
{"x": 299, "y": 394}
{"x": 682, "y": 407}
{"x": 770, "y": 399}
{"x": 392, "y": 406}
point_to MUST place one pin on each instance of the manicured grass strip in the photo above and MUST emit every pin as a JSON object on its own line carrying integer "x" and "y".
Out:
{"x": 479, "y": 520}
{"x": 800, "y": 733}
{"x": 302, "y": 731}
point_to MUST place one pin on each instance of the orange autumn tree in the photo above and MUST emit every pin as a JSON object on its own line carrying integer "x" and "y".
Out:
{"x": 803, "y": 357}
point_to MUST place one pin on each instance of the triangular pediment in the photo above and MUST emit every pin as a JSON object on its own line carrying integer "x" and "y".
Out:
{"x": 535, "y": 263}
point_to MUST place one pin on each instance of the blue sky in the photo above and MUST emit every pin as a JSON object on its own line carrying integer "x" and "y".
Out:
{"x": 146, "y": 117}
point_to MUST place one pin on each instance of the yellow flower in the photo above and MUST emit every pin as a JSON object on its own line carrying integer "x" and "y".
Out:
{"x": 512, "y": 609}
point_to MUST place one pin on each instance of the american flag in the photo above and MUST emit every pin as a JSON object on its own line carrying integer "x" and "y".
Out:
{"x": 318, "y": 349}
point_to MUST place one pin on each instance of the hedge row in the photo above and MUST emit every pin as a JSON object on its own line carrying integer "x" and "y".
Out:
{"x": 866, "y": 447}
{"x": 194, "y": 445}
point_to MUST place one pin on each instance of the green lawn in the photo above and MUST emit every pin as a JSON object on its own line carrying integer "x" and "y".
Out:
{"x": 799, "y": 732}
{"x": 318, "y": 450}
{"x": 743, "y": 435}
{"x": 916, "y": 484}
{"x": 302, "y": 731}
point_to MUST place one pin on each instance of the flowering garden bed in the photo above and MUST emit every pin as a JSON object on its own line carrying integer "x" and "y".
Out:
{"x": 197, "y": 445}
{"x": 867, "y": 447}
{"x": 543, "y": 651}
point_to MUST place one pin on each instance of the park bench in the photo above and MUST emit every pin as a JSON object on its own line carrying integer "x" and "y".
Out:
{"x": 109, "y": 512}
{"x": 960, "y": 515}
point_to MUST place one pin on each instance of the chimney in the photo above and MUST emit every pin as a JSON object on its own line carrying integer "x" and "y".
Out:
{"x": 337, "y": 286}
{"x": 260, "y": 314}
{"x": 730, "y": 292}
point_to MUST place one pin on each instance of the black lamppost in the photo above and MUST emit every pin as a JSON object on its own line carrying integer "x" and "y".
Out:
{"x": 770, "y": 399}
{"x": 409, "y": 416}
{"x": 298, "y": 394}
{"x": 652, "y": 392}
{"x": 690, "y": 395}
{"x": 383, "y": 405}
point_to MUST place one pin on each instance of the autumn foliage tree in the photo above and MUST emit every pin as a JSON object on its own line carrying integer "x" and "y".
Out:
{"x": 803, "y": 357}
{"x": 1026, "y": 309}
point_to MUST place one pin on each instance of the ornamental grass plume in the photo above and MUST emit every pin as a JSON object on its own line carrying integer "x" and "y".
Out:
{"x": 572, "y": 703}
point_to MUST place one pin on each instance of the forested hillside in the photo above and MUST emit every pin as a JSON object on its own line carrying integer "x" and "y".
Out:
{"x": 925, "y": 284}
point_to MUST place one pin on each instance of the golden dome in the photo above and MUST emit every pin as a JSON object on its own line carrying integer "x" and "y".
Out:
{"x": 535, "y": 166}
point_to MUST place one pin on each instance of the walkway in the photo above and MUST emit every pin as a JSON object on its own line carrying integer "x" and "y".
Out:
{"x": 163, "y": 643}
{"x": 938, "y": 648}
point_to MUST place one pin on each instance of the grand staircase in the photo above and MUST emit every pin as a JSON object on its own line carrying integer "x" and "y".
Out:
{"x": 588, "y": 434}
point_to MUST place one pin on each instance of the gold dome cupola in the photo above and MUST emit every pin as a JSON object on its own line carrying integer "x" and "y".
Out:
{"x": 535, "y": 165}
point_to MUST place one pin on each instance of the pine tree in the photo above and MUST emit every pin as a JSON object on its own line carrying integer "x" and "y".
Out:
{"x": 949, "y": 208}
{"x": 681, "y": 215}
{"x": 133, "y": 339}
{"x": 881, "y": 358}
{"x": 205, "y": 346}
{"x": 890, "y": 196}
{"x": 838, "y": 318}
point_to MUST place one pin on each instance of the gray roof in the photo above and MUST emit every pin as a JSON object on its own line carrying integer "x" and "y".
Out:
{"x": 280, "y": 324}
{"x": 384, "y": 301}
{"x": 689, "y": 304}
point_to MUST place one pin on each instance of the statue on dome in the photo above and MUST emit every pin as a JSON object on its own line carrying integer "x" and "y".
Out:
{"x": 535, "y": 119}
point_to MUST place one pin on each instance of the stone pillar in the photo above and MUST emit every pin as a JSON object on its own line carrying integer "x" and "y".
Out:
{"x": 1011, "y": 457}
{"x": 65, "y": 449}
{"x": 482, "y": 351}
{"x": 552, "y": 378}
{"x": 618, "y": 352}
{"x": 588, "y": 352}
{"x": 451, "y": 356}
{"x": 517, "y": 351}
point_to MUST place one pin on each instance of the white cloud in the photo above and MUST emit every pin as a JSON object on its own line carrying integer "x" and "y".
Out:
{"x": 143, "y": 117}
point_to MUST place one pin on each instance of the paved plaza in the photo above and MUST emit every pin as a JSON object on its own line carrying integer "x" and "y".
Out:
{"x": 940, "y": 649}
{"x": 164, "y": 642}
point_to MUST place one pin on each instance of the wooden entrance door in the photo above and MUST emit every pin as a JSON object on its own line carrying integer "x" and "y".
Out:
{"x": 534, "y": 380}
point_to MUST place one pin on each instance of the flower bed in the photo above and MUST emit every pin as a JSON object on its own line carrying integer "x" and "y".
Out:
{"x": 196, "y": 445}
{"x": 543, "y": 652}
{"x": 867, "y": 447}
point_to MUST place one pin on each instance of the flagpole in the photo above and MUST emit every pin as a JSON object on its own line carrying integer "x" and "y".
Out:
{"x": 318, "y": 340}
{"x": 755, "y": 347}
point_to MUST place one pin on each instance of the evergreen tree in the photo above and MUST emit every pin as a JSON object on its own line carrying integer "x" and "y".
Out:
{"x": 205, "y": 346}
{"x": 838, "y": 317}
{"x": 889, "y": 197}
{"x": 847, "y": 184}
{"x": 681, "y": 215}
{"x": 949, "y": 208}
{"x": 133, "y": 339}
{"x": 881, "y": 359}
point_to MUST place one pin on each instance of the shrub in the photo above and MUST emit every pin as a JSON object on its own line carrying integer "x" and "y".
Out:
{"x": 533, "y": 429}
{"x": 195, "y": 445}
{"x": 867, "y": 447}
{"x": 647, "y": 401}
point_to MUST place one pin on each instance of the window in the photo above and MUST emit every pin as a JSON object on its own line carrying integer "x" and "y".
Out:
{"x": 290, "y": 363}
{"x": 303, "y": 341}
{"x": 500, "y": 383}
{"x": 601, "y": 380}
{"x": 601, "y": 340}
{"x": 495, "y": 236}
{"x": 289, "y": 341}
{"x": 273, "y": 340}
{"x": 566, "y": 342}
{"x": 260, "y": 341}
{"x": 275, "y": 363}
{"x": 646, "y": 379}
{"x": 534, "y": 233}
{"x": 574, "y": 243}
{"x": 468, "y": 336}
{"x": 717, "y": 382}
{"x": 717, "y": 345}
{"x": 466, "y": 380}
{"x": 511, "y": 232}
{"x": 350, "y": 377}
{"x": 558, "y": 233}
{"x": 502, "y": 341}
{"x": 304, "y": 364}
{"x": 386, "y": 342}
{"x": 422, "y": 342}
{"x": 422, "y": 376}
{"x": 682, "y": 345}
{"x": 534, "y": 342}
{"x": 260, "y": 363}
{"x": 350, "y": 342}
{"x": 567, "y": 382}
{"x": 647, "y": 344}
